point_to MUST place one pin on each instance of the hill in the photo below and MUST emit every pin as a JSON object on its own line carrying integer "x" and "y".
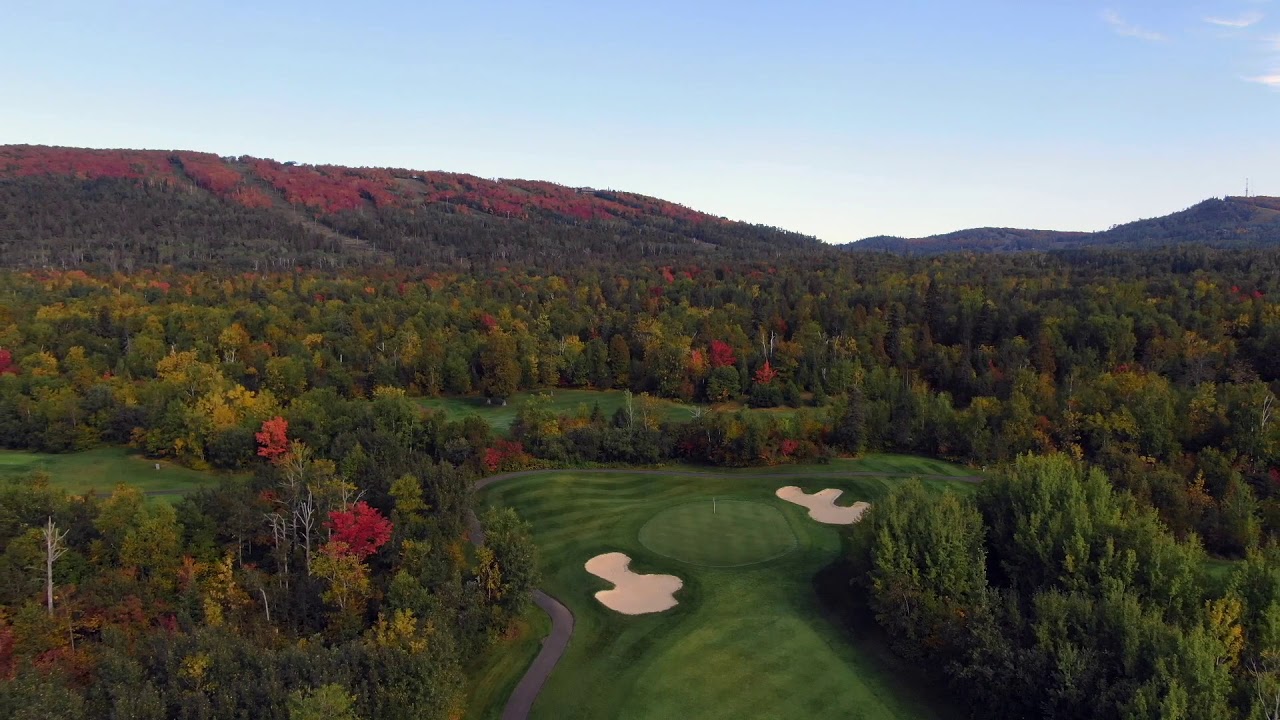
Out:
{"x": 974, "y": 240}
{"x": 1226, "y": 222}
{"x": 122, "y": 209}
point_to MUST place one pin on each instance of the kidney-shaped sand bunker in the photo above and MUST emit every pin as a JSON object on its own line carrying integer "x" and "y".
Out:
{"x": 822, "y": 505}
{"x": 632, "y": 594}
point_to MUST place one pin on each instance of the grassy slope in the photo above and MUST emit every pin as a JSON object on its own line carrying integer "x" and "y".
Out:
{"x": 564, "y": 401}
{"x": 744, "y": 642}
{"x": 494, "y": 676}
{"x": 103, "y": 468}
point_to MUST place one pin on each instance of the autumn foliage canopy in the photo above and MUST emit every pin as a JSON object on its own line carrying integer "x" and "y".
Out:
{"x": 273, "y": 440}
{"x": 722, "y": 354}
{"x": 361, "y": 530}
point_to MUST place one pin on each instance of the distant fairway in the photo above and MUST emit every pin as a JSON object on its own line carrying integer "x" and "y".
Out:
{"x": 743, "y": 642}
{"x": 562, "y": 401}
{"x": 102, "y": 469}
{"x": 719, "y": 533}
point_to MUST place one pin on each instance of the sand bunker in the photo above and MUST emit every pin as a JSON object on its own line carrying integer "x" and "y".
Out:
{"x": 634, "y": 594}
{"x": 822, "y": 505}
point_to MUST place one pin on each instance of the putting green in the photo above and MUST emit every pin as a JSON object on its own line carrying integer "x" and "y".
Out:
{"x": 719, "y": 533}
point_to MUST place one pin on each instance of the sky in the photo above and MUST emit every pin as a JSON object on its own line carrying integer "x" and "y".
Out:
{"x": 841, "y": 120}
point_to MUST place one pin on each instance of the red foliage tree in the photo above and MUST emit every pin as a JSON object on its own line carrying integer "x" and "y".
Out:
{"x": 273, "y": 441}
{"x": 722, "y": 354}
{"x": 766, "y": 374}
{"x": 505, "y": 454}
{"x": 361, "y": 530}
{"x": 6, "y": 362}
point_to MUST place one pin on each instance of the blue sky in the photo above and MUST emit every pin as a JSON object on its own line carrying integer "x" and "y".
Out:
{"x": 838, "y": 119}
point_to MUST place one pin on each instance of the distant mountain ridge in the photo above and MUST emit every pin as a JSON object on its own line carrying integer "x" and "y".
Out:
{"x": 1226, "y": 222}
{"x": 127, "y": 209}
{"x": 72, "y": 206}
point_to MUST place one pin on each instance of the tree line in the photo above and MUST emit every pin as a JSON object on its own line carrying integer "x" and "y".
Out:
{"x": 1051, "y": 594}
{"x": 312, "y": 589}
{"x": 1165, "y": 378}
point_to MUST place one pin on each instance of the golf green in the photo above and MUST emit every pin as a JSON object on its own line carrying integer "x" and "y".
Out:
{"x": 719, "y": 533}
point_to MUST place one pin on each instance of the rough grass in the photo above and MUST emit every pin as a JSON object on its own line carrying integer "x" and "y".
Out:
{"x": 492, "y": 678}
{"x": 748, "y": 642}
{"x": 102, "y": 469}
{"x": 719, "y": 533}
{"x": 565, "y": 401}
{"x": 904, "y": 465}
{"x": 1219, "y": 571}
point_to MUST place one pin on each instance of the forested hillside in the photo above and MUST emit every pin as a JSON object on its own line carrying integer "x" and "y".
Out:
{"x": 129, "y": 209}
{"x": 119, "y": 210}
{"x": 1226, "y": 222}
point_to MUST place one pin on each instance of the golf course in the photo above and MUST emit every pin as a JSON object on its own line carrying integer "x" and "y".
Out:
{"x": 747, "y": 636}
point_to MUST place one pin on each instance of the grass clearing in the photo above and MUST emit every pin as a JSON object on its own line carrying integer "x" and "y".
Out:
{"x": 563, "y": 401}
{"x": 1220, "y": 570}
{"x": 102, "y": 469}
{"x": 743, "y": 642}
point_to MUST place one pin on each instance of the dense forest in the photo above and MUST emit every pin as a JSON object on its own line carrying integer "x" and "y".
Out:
{"x": 1164, "y": 378}
{"x": 1053, "y": 594}
{"x": 279, "y": 322}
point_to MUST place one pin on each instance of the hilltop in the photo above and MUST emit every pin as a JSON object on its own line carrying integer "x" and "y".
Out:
{"x": 129, "y": 209}
{"x": 1226, "y": 222}
{"x": 72, "y": 207}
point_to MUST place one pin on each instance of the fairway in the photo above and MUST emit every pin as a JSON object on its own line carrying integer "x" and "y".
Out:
{"x": 561, "y": 402}
{"x": 101, "y": 469}
{"x": 743, "y": 642}
{"x": 719, "y": 533}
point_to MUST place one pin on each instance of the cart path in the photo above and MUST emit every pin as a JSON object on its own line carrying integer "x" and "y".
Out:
{"x": 522, "y": 698}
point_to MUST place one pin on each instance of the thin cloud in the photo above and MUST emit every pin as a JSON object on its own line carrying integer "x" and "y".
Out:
{"x": 1123, "y": 27}
{"x": 1243, "y": 21}
{"x": 1271, "y": 81}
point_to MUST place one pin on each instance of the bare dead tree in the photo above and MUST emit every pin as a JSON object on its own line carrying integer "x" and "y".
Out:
{"x": 1266, "y": 686}
{"x": 304, "y": 517}
{"x": 1268, "y": 411}
{"x": 54, "y": 548}
{"x": 280, "y": 536}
